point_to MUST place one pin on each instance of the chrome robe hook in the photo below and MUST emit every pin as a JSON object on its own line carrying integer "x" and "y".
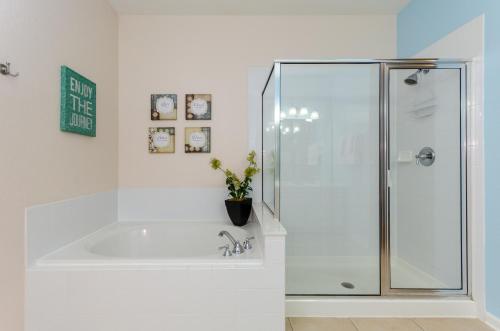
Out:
{"x": 5, "y": 70}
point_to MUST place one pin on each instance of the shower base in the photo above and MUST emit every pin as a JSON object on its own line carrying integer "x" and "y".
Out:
{"x": 320, "y": 275}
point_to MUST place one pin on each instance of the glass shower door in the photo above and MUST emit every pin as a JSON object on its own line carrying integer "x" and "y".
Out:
{"x": 329, "y": 178}
{"x": 426, "y": 179}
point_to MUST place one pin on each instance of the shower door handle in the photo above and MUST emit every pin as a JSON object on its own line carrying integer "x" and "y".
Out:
{"x": 425, "y": 157}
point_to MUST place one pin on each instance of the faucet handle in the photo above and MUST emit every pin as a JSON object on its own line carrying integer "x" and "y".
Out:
{"x": 227, "y": 251}
{"x": 238, "y": 248}
{"x": 246, "y": 244}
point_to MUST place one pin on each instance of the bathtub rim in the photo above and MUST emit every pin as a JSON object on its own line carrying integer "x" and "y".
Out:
{"x": 87, "y": 259}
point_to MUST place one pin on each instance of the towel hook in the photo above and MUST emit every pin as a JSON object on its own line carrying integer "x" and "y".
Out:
{"x": 5, "y": 70}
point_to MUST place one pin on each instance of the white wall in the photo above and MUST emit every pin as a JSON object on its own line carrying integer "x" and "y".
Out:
{"x": 211, "y": 54}
{"x": 41, "y": 163}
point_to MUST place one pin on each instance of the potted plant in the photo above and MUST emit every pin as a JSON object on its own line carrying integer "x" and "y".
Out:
{"x": 239, "y": 205}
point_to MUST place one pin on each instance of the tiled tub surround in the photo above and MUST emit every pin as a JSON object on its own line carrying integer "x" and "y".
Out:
{"x": 52, "y": 225}
{"x": 180, "y": 203}
{"x": 202, "y": 293}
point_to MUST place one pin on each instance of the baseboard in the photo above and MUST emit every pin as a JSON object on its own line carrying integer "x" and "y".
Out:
{"x": 380, "y": 307}
{"x": 493, "y": 321}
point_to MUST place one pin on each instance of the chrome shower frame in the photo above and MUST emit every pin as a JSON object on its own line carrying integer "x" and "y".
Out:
{"x": 384, "y": 221}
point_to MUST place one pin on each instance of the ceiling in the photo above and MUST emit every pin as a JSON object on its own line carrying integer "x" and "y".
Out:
{"x": 258, "y": 7}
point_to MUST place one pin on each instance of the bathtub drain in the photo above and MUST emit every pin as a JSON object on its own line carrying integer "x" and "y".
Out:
{"x": 347, "y": 285}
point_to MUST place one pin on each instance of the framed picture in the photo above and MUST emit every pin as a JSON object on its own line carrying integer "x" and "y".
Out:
{"x": 197, "y": 140}
{"x": 198, "y": 106}
{"x": 78, "y": 103}
{"x": 163, "y": 107}
{"x": 161, "y": 140}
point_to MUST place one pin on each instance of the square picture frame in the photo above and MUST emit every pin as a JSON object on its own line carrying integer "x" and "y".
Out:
{"x": 198, "y": 107}
{"x": 197, "y": 140}
{"x": 163, "y": 107}
{"x": 161, "y": 140}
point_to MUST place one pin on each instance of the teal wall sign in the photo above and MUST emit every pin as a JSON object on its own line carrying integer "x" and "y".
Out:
{"x": 78, "y": 103}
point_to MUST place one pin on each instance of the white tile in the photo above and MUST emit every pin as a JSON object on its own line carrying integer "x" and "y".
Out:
{"x": 271, "y": 277}
{"x": 48, "y": 322}
{"x": 172, "y": 203}
{"x": 184, "y": 323}
{"x": 201, "y": 278}
{"x": 46, "y": 289}
{"x": 220, "y": 322}
{"x": 275, "y": 250}
{"x": 91, "y": 292}
{"x": 223, "y": 302}
{"x": 53, "y": 225}
{"x": 261, "y": 301}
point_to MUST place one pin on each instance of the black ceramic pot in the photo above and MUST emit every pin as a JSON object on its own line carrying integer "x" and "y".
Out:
{"x": 239, "y": 211}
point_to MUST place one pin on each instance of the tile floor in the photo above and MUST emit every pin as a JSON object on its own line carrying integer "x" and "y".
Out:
{"x": 384, "y": 324}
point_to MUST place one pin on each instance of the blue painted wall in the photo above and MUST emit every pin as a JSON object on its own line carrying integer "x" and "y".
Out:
{"x": 424, "y": 22}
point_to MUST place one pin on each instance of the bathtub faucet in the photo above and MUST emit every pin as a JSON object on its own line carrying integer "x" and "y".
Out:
{"x": 237, "y": 247}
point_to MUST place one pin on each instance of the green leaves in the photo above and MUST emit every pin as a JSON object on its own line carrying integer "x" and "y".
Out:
{"x": 238, "y": 189}
{"x": 215, "y": 163}
{"x": 250, "y": 171}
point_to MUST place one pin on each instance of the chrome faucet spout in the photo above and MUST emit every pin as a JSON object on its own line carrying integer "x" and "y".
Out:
{"x": 228, "y": 235}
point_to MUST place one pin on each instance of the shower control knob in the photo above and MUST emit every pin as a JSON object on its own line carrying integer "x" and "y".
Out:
{"x": 425, "y": 157}
{"x": 247, "y": 244}
{"x": 227, "y": 251}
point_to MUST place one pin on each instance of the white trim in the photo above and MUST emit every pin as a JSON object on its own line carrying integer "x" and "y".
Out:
{"x": 380, "y": 307}
{"x": 257, "y": 77}
{"x": 476, "y": 187}
{"x": 492, "y": 321}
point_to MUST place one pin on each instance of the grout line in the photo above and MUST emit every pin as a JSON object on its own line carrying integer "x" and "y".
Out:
{"x": 354, "y": 324}
{"x": 416, "y": 323}
{"x": 289, "y": 322}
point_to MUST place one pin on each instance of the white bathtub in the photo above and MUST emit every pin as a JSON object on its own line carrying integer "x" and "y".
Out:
{"x": 166, "y": 275}
{"x": 165, "y": 243}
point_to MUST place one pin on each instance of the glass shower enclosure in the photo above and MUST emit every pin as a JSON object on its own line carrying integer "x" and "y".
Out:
{"x": 364, "y": 163}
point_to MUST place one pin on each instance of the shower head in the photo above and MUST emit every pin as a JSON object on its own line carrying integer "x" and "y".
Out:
{"x": 413, "y": 78}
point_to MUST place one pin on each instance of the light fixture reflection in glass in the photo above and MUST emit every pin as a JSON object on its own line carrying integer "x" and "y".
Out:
{"x": 296, "y": 129}
{"x": 309, "y": 120}
{"x": 304, "y": 111}
{"x": 292, "y": 111}
{"x": 286, "y": 130}
{"x": 314, "y": 115}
